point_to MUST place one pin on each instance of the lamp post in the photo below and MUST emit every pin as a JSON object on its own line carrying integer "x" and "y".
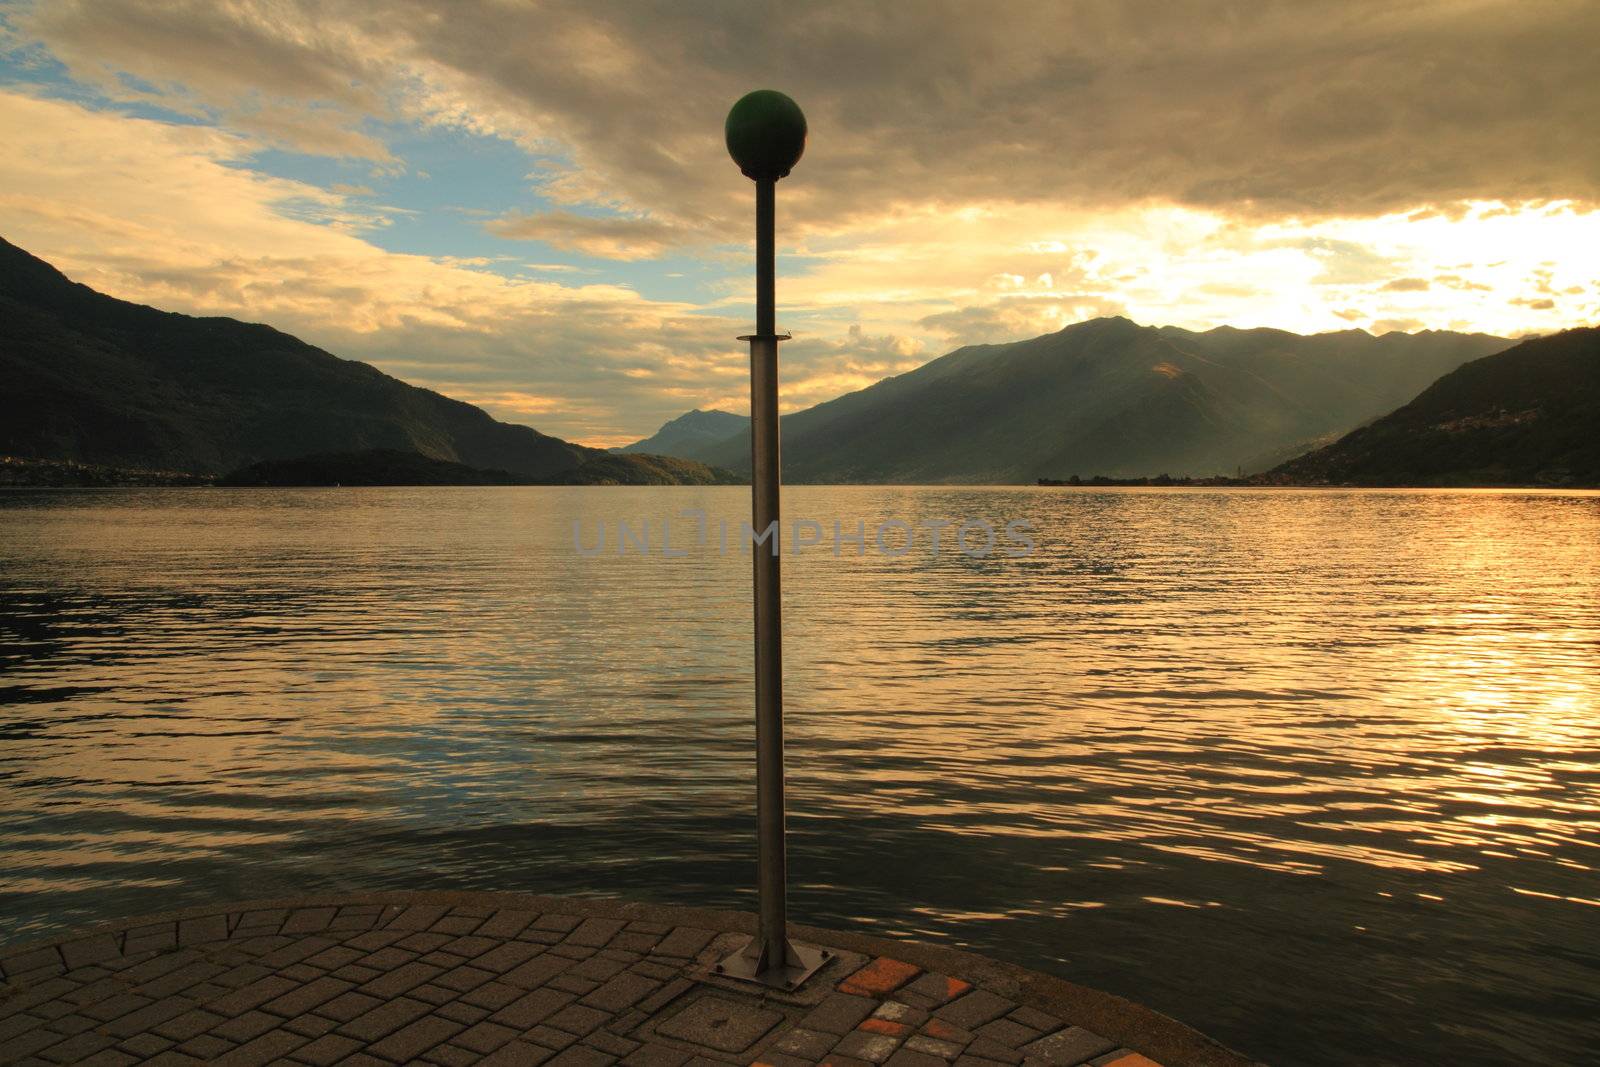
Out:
{"x": 766, "y": 133}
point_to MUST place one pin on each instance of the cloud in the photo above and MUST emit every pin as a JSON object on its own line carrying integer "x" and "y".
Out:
{"x": 171, "y": 215}
{"x": 1295, "y": 108}
{"x": 1407, "y": 285}
{"x": 606, "y": 238}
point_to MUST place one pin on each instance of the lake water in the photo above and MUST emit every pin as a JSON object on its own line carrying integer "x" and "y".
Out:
{"x": 1317, "y": 772}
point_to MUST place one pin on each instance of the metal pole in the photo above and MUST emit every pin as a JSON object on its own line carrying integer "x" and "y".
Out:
{"x": 766, "y": 134}
{"x": 764, "y": 465}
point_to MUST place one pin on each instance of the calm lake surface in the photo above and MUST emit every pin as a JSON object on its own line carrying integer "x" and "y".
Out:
{"x": 1317, "y": 772}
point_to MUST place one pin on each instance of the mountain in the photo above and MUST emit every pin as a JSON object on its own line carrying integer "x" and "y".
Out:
{"x": 690, "y": 432}
{"x": 1109, "y": 397}
{"x": 644, "y": 470}
{"x": 96, "y": 380}
{"x": 1527, "y": 416}
{"x": 375, "y": 466}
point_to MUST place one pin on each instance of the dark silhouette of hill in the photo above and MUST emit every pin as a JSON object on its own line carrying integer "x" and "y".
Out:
{"x": 691, "y": 430}
{"x": 1108, "y": 397}
{"x": 644, "y": 470}
{"x": 387, "y": 466}
{"x": 97, "y": 380}
{"x": 1527, "y": 416}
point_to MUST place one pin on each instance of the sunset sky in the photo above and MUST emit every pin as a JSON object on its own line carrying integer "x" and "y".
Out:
{"x": 529, "y": 206}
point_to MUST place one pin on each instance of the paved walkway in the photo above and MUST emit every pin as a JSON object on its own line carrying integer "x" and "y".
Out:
{"x": 497, "y": 978}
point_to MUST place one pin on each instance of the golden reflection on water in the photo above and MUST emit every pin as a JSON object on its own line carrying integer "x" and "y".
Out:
{"x": 1267, "y": 727}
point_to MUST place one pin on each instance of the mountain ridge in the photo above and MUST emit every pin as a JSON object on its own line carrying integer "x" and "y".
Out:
{"x": 94, "y": 379}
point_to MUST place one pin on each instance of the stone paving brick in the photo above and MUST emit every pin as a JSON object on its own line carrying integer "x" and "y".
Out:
{"x": 470, "y": 946}
{"x": 945, "y": 1050}
{"x": 598, "y": 968}
{"x": 807, "y": 1044}
{"x": 974, "y": 1009}
{"x": 385, "y": 1019}
{"x": 593, "y": 933}
{"x": 577, "y": 1019}
{"x": 873, "y": 1048}
{"x": 464, "y": 978}
{"x": 240, "y": 976}
{"x": 492, "y": 995}
{"x": 147, "y": 1017}
{"x": 450, "y": 1055}
{"x": 307, "y": 997}
{"x": 309, "y": 1025}
{"x": 144, "y": 1045}
{"x": 779, "y": 1059}
{"x": 839, "y": 1013}
{"x": 634, "y": 941}
{"x": 260, "y": 1051}
{"x": 251, "y": 996}
{"x": 516, "y": 1054}
{"x": 352, "y": 972}
{"x": 189, "y": 1024}
{"x": 994, "y": 1050}
{"x": 484, "y": 1038}
{"x": 532, "y": 1008}
{"x": 651, "y": 1054}
{"x": 1008, "y": 1032}
{"x": 1070, "y": 1046}
{"x": 660, "y": 971}
{"x": 347, "y": 1007}
{"x": 247, "y": 1027}
{"x": 108, "y": 1057}
{"x": 308, "y": 920}
{"x": 90, "y": 951}
{"x": 296, "y": 951}
{"x": 200, "y": 930}
{"x": 506, "y": 955}
{"x": 872, "y": 1024}
{"x": 536, "y": 972}
{"x": 326, "y": 1050}
{"x": 115, "y": 1006}
{"x": 395, "y": 982}
{"x": 451, "y": 987}
{"x": 611, "y": 1043}
{"x": 465, "y": 1014}
{"x": 433, "y": 994}
{"x": 331, "y": 959}
{"x": 943, "y": 1031}
{"x": 1036, "y": 1019}
{"x": 205, "y": 1047}
{"x": 901, "y": 1013}
{"x": 1123, "y": 1058}
{"x": 940, "y": 988}
{"x": 551, "y": 1038}
{"x": 573, "y": 984}
{"x": 373, "y": 940}
{"x": 621, "y": 992}
{"x": 906, "y": 1057}
{"x": 456, "y": 924}
{"x": 582, "y": 1056}
{"x": 506, "y": 923}
{"x": 684, "y": 942}
{"x": 416, "y": 917}
{"x": 424, "y": 941}
{"x": 879, "y": 978}
{"x": 76, "y": 1048}
{"x": 150, "y": 941}
{"x": 409, "y": 1042}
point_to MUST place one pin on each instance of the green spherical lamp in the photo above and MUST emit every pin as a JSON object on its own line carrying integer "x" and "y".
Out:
{"x": 766, "y": 133}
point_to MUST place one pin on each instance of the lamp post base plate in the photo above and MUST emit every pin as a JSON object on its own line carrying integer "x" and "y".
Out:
{"x": 804, "y": 961}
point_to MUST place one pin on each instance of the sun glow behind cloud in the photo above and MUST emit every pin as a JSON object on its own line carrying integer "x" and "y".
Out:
{"x": 580, "y": 264}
